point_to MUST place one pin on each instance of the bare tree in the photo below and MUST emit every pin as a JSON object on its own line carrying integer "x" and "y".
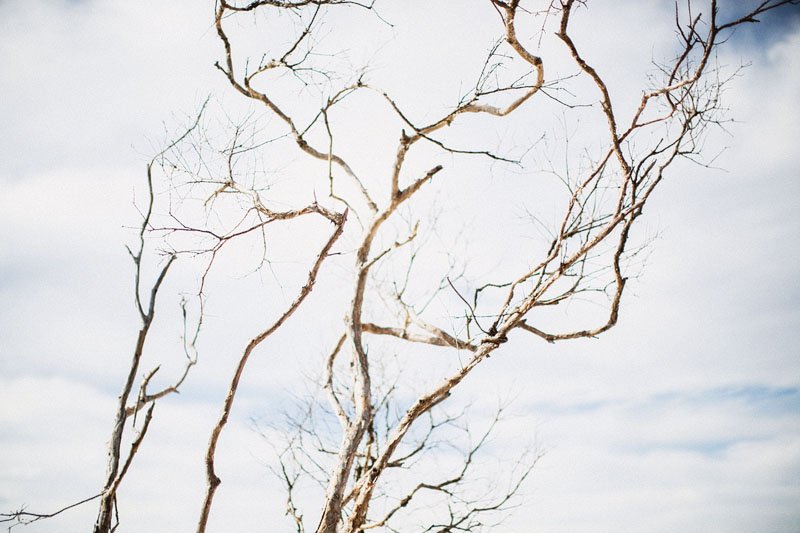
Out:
{"x": 355, "y": 436}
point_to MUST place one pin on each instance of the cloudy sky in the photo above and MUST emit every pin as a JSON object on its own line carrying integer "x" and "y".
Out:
{"x": 686, "y": 417}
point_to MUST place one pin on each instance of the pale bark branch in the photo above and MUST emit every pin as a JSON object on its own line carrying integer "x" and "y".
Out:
{"x": 213, "y": 481}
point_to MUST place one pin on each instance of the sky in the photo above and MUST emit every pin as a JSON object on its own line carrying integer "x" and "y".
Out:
{"x": 685, "y": 417}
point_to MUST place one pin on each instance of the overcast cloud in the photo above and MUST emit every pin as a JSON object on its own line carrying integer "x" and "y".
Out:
{"x": 686, "y": 417}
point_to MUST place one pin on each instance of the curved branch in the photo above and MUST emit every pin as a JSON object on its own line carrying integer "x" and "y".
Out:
{"x": 213, "y": 480}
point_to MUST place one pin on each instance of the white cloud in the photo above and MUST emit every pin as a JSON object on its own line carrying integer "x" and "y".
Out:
{"x": 682, "y": 419}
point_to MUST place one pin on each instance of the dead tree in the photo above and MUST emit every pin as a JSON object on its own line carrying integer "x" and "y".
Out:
{"x": 128, "y": 408}
{"x": 374, "y": 226}
{"x": 586, "y": 253}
